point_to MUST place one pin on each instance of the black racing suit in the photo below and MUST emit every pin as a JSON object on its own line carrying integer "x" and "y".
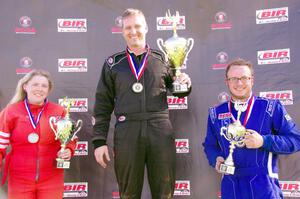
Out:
{"x": 143, "y": 132}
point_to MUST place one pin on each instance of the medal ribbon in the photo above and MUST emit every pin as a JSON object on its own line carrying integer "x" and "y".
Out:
{"x": 138, "y": 72}
{"x": 34, "y": 123}
{"x": 248, "y": 111}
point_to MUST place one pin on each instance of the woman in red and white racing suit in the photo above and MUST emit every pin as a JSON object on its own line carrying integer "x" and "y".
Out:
{"x": 24, "y": 126}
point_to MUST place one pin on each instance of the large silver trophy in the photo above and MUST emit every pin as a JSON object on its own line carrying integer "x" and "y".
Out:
{"x": 235, "y": 134}
{"x": 176, "y": 50}
{"x": 65, "y": 130}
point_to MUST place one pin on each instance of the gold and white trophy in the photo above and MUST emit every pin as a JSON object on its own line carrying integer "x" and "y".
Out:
{"x": 176, "y": 50}
{"x": 65, "y": 130}
{"x": 235, "y": 134}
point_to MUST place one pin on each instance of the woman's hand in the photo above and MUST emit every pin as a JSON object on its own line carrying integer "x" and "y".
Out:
{"x": 64, "y": 154}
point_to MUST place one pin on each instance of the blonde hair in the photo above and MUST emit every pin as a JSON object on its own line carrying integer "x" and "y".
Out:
{"x": 20, "y": 93}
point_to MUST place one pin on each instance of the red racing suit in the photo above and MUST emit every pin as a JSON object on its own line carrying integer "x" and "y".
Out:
{"x": 31, "y": 167}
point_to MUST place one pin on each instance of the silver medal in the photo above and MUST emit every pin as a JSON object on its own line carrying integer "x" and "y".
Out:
{"x": 137, "y": 87}
{"x": 33, "y": 138}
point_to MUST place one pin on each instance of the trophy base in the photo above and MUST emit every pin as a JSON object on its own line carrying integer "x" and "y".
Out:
{"x": 62, "y": 164}
{"x": 179, "y": 88}
{"x": 227, "y": 169}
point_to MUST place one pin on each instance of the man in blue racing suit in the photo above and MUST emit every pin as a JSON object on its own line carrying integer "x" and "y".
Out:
{"x": 270, "y": 131}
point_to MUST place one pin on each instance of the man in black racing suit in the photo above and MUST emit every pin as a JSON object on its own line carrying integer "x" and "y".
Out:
{"x": 134, "y": 85}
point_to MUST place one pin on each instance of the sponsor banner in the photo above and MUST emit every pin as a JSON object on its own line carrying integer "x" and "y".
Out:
{"x": 118, "y": 25}
{"x": 77, "y": 104}
{"x": 71, "y": 25}
{"x": 25, "y": 23}
{"x": 72, "y": 65}
{"x": 222, "y": 116}
{"x": 177, "y": 103}
{"x": 25, "y": 65}
{"x": 221, "y": 22}
{"x": 21, "y": 71}
{"x": 182, "y": 145}
{"x": 285, "y": 97}
{"x": 164, "y": 23}
{"x": 75, "y": 189}
{"x": 223, "y": 97}
{"x": 81, "y": 148}
{"x": 290, "y": 188}
{"x": 277, "y": 56}
{"x": 182, "y": 188}
{"x": 273, "y": 15}
{"x": 222, "y": 59}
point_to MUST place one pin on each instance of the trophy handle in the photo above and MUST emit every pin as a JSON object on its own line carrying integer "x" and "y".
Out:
{"x": 77, "y": 128}
{"x": 190, "y": 45}
{"x": 161, "y": 46}
{"x": 51, "y": 121}
{"x": 224, "y": 134}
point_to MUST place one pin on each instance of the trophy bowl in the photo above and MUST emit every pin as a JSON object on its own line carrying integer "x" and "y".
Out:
{"x": 236, "y": 133}
{"x": 176, "y": 50}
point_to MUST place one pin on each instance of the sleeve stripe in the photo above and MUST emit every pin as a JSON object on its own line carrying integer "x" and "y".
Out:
{"x": 3, "y": 134}
{"x": 3, "y": 146}
{"x": 4, "y": 140}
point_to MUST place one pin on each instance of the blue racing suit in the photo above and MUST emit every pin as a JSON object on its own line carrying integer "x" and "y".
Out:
{"x": 256, "y": 171}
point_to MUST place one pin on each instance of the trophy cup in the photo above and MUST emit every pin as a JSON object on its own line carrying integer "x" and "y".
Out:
{"x": 235, "y": 134}
{"x": 176, "y": 50}
{"x": 65, "y": 130}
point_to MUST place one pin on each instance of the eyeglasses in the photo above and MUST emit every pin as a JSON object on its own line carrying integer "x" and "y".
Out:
{"x": 243, "y": 79}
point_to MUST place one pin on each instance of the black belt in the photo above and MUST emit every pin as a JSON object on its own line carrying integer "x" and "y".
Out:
{"x": 143, "y": 116}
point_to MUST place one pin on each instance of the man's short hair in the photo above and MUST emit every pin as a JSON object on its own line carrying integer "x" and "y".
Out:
{"x": 132, "y": 12}
{"x": 240, "y": 62}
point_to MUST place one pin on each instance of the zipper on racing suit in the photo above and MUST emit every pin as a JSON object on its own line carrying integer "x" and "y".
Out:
{"x": 143, "y": 109}
{"x": 37, "y": 174}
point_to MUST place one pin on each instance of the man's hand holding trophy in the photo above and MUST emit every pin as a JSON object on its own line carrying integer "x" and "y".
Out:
{"x": 65, "y": 130}
{"x": 176, "y": 50}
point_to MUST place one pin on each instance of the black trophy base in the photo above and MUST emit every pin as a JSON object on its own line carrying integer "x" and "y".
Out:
{"x": 62, "y": 164}
{"x": 179, "y": 88}
{"x": 227, "y": 169}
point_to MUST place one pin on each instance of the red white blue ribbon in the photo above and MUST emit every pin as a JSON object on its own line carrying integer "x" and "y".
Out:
{"x": 248, "y": 111}
{"x": 34, "y": 123}
{"x": 137, "y": 71}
